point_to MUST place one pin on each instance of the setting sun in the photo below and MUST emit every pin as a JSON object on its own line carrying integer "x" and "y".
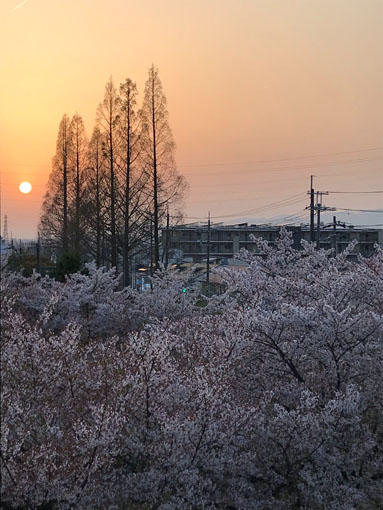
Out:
{"x": 25, "y": 187}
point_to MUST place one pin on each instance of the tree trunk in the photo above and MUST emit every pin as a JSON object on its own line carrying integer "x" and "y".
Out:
{"x": 98, "y": 215}
{"x": 78, "y": 198}
{"x": 155, "y": 186}
{"x": 127, "y": 210}
{"x": 112, "y": 196}
{"x": 65, "y": 192}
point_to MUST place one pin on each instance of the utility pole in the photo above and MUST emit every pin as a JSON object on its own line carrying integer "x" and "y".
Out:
{"x": 38, "y": 264}
{"x": 167, "y": 238}
{"x": 208, "y": 257}
{"x": 151, "y": 247}
{"x": 103, "y": 250}
{"x": 334, "y": 234}
{"x": 319, "y": 205}
{"x": 312, "y": 210}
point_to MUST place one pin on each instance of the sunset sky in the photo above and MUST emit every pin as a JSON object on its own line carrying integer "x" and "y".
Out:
{"x": 261, "y": 94}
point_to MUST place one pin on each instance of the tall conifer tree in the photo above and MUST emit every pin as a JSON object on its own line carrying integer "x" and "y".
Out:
{"x": 108, "y": 116}
{"x": 54, "y": 221}
{"x": 167, "y": 185}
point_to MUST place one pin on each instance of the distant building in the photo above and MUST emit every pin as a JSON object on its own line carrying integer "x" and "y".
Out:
{"x": 227, "y": 240}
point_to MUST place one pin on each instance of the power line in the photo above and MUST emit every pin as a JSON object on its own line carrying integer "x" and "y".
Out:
{"x": 256, "y": 170}
{"x": 296, "y": 167}
{"x": 361, "y": 210}
{"x": 264, "y": 208}
{"x": 274, "y": 205}
{"x": 281, "y": 159}
{"x": 299, "y": 214}
{"x": 308, "y": 156}
{"x": 356, "y": 192}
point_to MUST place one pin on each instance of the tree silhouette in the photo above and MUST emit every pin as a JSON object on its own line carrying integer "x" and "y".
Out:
{"x": 108, "y": 116}
{"x": 78, "y": 162}
{"x": 95, "y": 202}
{"x": 54, "y": 222}
{"x": 107, "y": 197}
{"x": 167, "y": 185}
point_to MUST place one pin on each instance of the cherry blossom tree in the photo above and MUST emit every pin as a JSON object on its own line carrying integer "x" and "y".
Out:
{"x": 270, "y": 397}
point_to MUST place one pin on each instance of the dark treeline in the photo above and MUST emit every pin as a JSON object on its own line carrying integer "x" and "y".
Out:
{"x": 107, "y": 196}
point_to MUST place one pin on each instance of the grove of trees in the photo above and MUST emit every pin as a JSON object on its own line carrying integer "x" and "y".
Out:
{"x": 107, "y": 196}
{"x": 269, "y": 396}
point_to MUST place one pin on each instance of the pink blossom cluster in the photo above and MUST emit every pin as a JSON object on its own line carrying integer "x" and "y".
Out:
{"x": 270, "y": 396}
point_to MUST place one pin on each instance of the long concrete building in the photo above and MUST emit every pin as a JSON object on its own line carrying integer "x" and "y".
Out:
{"x": 227, "y": 240}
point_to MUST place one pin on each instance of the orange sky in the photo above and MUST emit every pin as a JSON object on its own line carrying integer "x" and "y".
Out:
{"x": 248, "y": 82}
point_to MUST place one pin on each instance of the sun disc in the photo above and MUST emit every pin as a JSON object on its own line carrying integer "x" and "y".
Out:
{"x": 25, "y": 187}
